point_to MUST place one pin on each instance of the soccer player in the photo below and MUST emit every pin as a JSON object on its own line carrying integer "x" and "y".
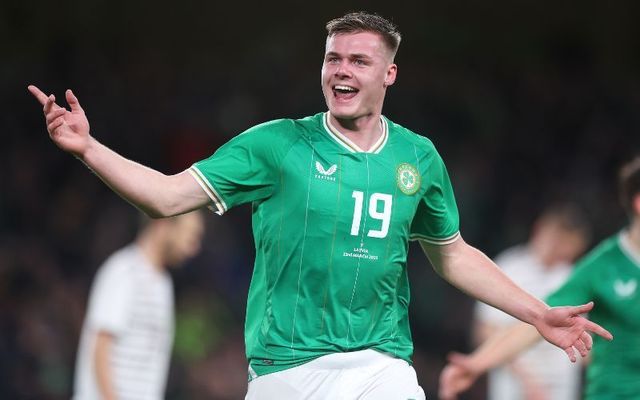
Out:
{"x": 558, "y": 236}
{"x": 127, "y": 335}
{"x": 609, "y": 274}
{"x": 335, "y": 198}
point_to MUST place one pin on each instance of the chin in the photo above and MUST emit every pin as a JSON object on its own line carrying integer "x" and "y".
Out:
{"x": 343, "y": 112}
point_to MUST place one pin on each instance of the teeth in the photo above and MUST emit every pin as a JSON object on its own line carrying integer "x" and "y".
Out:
{"x": 344, "y": 88}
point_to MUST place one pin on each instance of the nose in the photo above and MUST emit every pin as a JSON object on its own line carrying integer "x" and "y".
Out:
{"x": 342, "y": 70}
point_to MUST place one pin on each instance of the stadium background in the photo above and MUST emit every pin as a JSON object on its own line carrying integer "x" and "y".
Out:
{"x": 526, "y": 102}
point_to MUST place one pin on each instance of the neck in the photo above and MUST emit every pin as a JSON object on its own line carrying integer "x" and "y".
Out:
{"x": 634, "y": 233}
{"x": 363, "y": 131}
{"x": 541, "y": 252}
{"x": 151, "y": 251}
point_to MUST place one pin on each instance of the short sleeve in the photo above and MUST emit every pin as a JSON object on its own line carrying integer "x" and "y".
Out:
{"x": 436, "y": 220}
{"x": 577, "y": 289}
{"x": 110, "y": 298}
{"x": 245, "y": 169}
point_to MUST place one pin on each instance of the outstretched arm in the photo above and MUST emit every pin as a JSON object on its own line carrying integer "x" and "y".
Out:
{"x": 463, "y": 370}
{"x": 474, "y": 273}
{"x": 156, "y": 194}
{"x": 484, "y": 328}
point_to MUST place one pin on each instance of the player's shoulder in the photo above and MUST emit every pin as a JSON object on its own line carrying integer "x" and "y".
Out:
{"x": 408, "y": 136}
{"x": 601, "y": 254}
{"x": 286, "y": 126}
{"x": 119, "y": 264}
{"x": 281, "y": 131}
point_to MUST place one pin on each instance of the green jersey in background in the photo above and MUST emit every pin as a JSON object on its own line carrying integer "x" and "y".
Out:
{"x": 610, "y": 275}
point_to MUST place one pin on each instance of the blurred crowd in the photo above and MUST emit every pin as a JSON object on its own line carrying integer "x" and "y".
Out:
{"x": 535, "y": 116}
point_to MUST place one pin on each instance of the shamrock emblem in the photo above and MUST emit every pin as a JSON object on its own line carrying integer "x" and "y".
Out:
{"x": 408, "y": 178}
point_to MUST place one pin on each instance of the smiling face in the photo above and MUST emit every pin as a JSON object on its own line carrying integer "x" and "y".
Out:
{"x": 356, "y": 71}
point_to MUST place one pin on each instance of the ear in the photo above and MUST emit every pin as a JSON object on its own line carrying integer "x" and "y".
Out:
{"x": 635, "y": 204}
{"x": 390, "y": 77}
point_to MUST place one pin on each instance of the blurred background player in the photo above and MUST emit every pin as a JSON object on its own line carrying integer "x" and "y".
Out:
{"x": 558, "y": 236}
{"x": 127, "y": 336}
{"x": 609, "y": 274}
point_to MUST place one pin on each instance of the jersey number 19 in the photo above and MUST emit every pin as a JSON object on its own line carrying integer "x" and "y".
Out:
{"x": 384, "y": 216}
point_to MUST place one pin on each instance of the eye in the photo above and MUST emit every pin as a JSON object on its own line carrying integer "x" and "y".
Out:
{"x": 333, "y": 60}
{"x": 359, "y": 62}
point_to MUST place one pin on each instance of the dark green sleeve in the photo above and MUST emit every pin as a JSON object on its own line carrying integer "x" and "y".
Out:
{"x": 436, "y": 220}
{"x": 246, "y": 168}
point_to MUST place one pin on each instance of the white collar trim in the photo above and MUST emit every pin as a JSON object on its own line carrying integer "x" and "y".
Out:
{"x": 627, "y": 247}
{"x": 349, "y": 145}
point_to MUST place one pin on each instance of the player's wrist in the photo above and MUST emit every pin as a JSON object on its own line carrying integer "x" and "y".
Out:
{"x": 477, "y": 364}
{"x": 537, "y": 313}
{"x": 86, "y": 153}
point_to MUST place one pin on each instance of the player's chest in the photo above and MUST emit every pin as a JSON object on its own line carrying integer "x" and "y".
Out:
{"x": 374, "y": 186}
{"x": 620, "y": 294}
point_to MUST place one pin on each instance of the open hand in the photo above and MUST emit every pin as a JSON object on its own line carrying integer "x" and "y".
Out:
{"x": 456, "y": 377}
{"x": 565, "y": 328}
{"x": 69, "y": 130}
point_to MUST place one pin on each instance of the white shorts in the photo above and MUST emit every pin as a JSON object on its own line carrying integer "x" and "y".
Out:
{"x": 358, "y": 375}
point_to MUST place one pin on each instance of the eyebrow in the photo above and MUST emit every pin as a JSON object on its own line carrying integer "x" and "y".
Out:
{"x": 355, "y": 55}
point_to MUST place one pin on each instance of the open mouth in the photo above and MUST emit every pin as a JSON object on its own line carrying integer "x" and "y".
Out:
{"x": 344, "y": 92}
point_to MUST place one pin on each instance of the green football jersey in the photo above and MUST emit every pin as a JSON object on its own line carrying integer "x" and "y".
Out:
{"x": 609, "y": 275}
{"x": 331, "y": 226}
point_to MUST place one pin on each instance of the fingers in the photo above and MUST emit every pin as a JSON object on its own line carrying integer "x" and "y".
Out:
{"x": 590, "y": 325}
{"x": 49, "y": 104}
{"x": 446, "y": 385}
{"x": 446, "y": 395}
{"x": 38, "y": 94}
{"x": 588, "y": 341}
{"x": 581, "y": 346}
{"x": 73, "y": 101}
{"x": 55, "y": 124}
{"x": 571, "y": 354}
{"x": 53, "y": 114}
{"x": 457, "y": 358}
{"x": 585, "y": 308}
{"x": 55, "y": 118}
{"x": 598, "y": 330}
